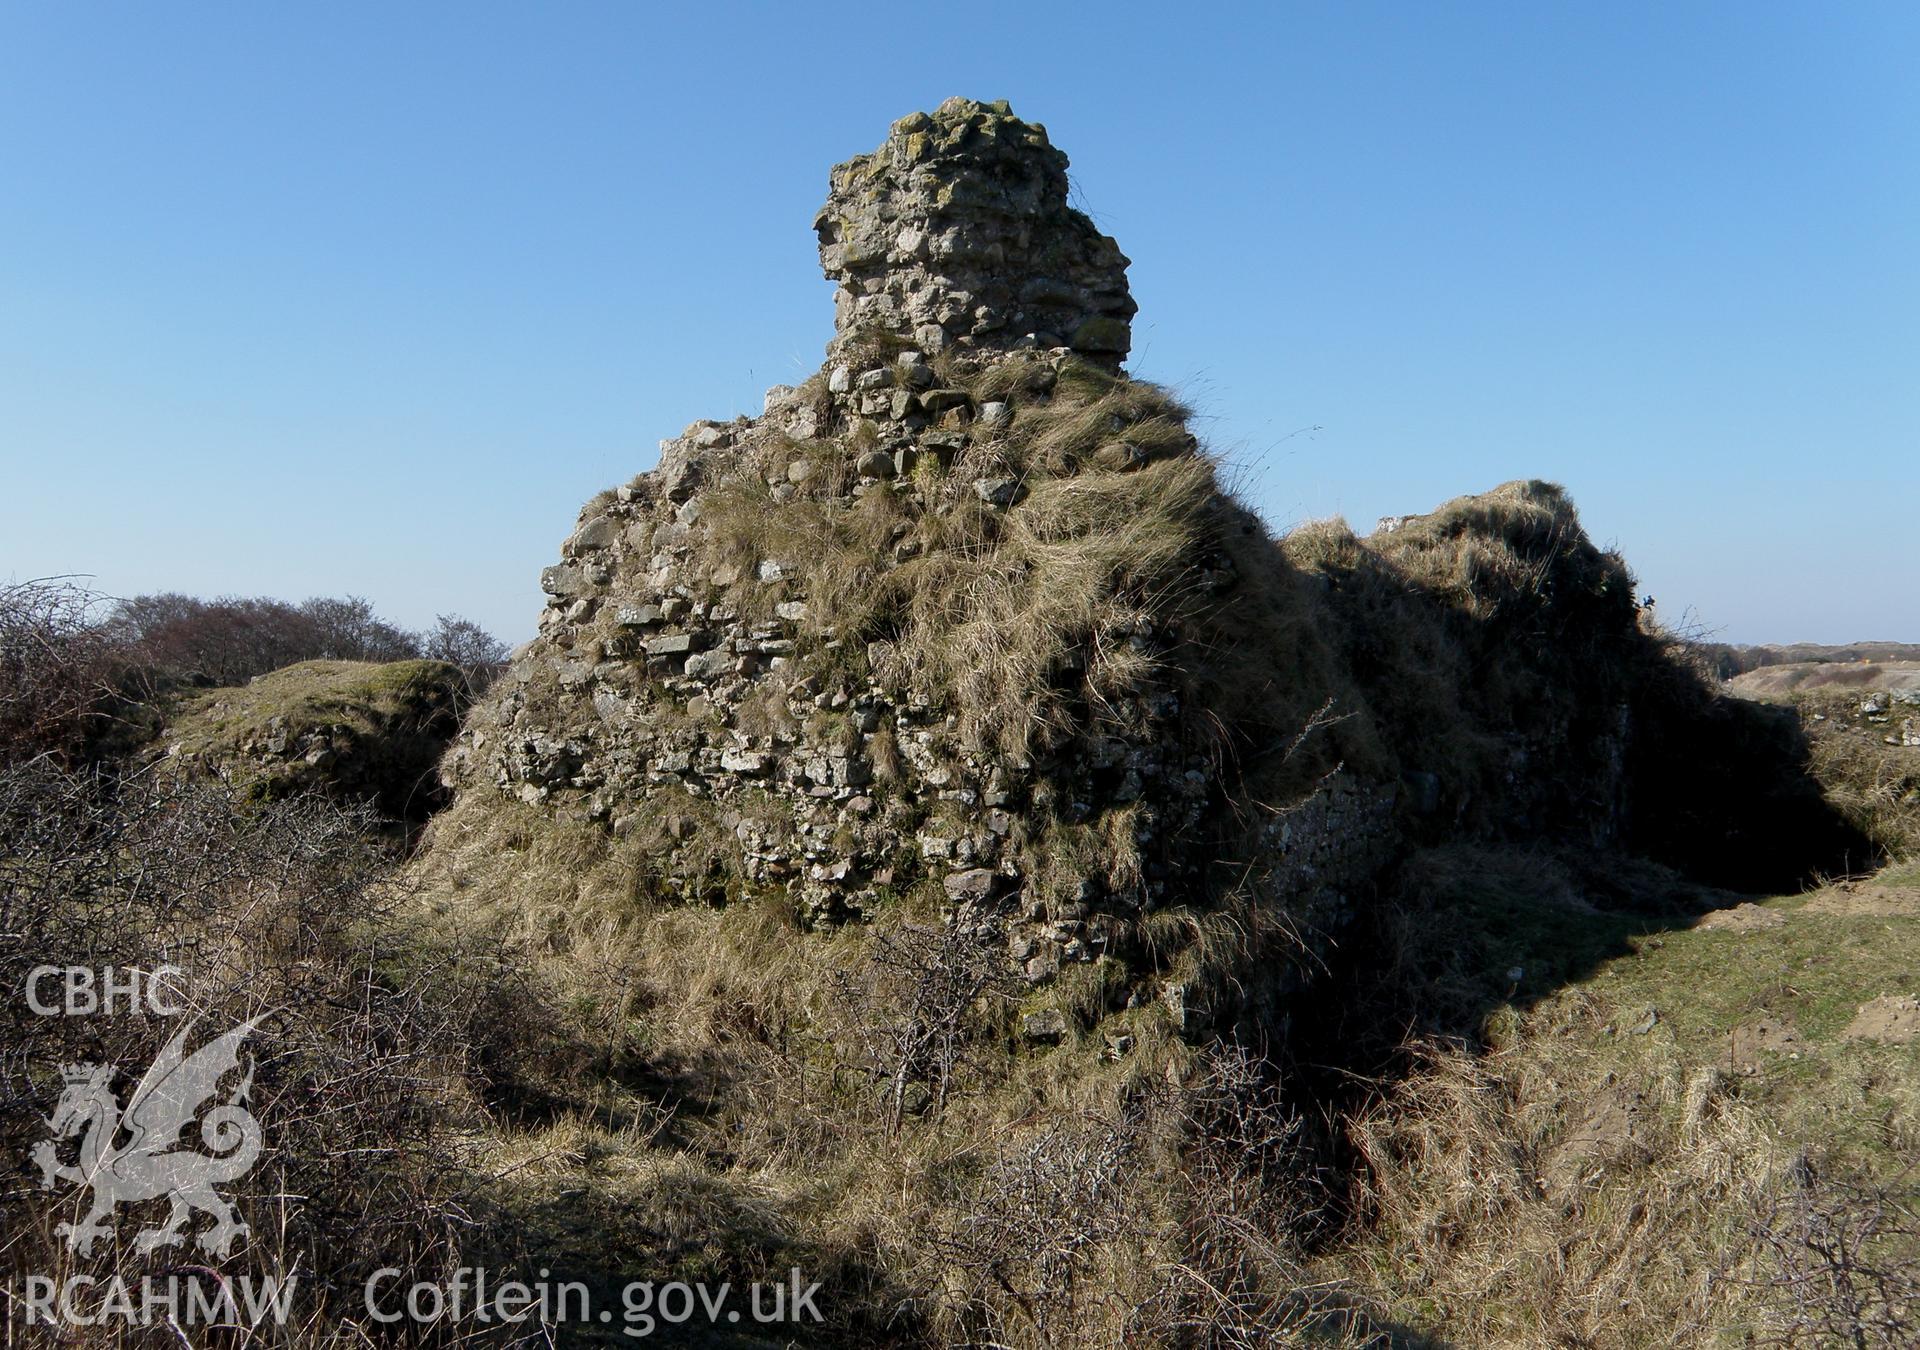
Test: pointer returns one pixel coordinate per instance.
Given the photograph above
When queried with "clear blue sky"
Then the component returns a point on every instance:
(369, 298)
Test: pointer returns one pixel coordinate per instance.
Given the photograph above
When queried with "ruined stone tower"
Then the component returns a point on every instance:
(964, 632)
(962, 624)
(957, 232)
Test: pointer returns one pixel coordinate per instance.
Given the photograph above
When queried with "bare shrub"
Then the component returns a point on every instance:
(1840, 1261)
(1174, 1218)
(1248, 1199)
(916, 1009)
(461, 642)
(169, 638)
(55, 668)
(1050, 1227)
(360, 1061)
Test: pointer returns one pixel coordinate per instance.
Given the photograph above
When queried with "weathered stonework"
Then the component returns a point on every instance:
(702, 700)
(957, 232)
(694, 690)
(965, 626)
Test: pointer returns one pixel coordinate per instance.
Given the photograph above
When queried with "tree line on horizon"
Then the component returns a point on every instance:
(230, 639)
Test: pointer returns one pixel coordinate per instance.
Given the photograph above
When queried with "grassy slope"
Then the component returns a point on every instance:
(1597, 1170)
(1875, 784)
(308, 695)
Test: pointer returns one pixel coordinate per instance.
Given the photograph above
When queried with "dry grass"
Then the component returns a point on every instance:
(1872, 783)
(1038, 625)
(1021, 621)
(1574, 1148)
(1518, 546)
(839, 1100)
(1508, 1203)
(1489, 623)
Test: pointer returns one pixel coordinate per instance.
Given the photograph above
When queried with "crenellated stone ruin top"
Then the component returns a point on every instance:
(957, 233)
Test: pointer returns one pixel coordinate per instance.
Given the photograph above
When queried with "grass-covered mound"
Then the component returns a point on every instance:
(1499, 650)
(1067, 669)
(844, 671)
(1527, 698)
(350, 730)
(927, 825)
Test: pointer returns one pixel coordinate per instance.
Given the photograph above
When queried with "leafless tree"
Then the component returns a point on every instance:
(461, 642)
(232, 638)
(916, 1008)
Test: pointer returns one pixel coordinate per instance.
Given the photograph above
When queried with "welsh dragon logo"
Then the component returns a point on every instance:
(149, 1165)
